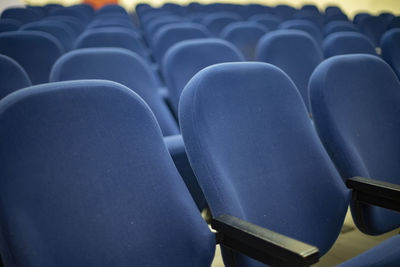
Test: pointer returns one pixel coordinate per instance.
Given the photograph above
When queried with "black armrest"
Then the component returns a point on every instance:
(378, 193)
(262, 244)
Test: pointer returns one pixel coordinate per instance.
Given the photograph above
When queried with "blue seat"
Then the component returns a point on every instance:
(36, 52)
(270, 21)
(174, 33)
(355, 100)
(258, 157)
(97, 186)
(23, 15)
(72, 22)
(12, 76)
(7, 25)
(112, 21)
(118, 65)
(339, 26)
(316, 18)
(305, 26)
(395, 23)
(78, 13)
(111, 9)
(295, 52)
(390, 44)
(154, 25)
(62, 32)
(341, 43)
(215, 22)
(245, 36)
(285, 12)
(113, 37)
(186, 58)
(359, 17)
(373, 27)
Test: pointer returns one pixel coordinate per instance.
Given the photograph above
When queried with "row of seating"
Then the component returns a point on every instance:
(87, 179)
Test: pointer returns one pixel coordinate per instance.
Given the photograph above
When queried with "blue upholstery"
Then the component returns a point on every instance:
(118, 65)
(305, 26)
(36, 52)
(355, 105)
(111, 21)
(176, 148)
(64, 34)
(295, 52)
(72, 11)
(7, 25)
(358, 18)
(270, 21)
(153, 26)
(12, 76)
(112, 37)
(245, 36)
(72, 22)
(256, 154)
(373, 27)
(395, 23)
(91, 182)
(174, 33)
(385, 254)
(186, 58)
(285, 12)
(390, 44)
(339, 26)
(316, 18)
(216, 22)
(23, 15)
(111, 9)
(341, 43)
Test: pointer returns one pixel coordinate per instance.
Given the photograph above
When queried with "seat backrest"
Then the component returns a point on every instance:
(245, 36)
(36, 52)
(97, 185)
(118, 65)
(217, 21)
(268, 20)
(355, 106)
(171, 34)
(24, 15)
(72, 11)
(256, 154)
(72, 22)
(186, 58)
(12, 76)
(7, 25)
(153, 26)
(112, 37)
(111, 9)
(394, 23)
(340, 43)
(390, 44)
(373, 27)
(285, 12)
(293, 51)
(339, 26)
(305, 26)
(63, 33)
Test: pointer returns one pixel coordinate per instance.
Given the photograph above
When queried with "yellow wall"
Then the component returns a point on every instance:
(349, 6)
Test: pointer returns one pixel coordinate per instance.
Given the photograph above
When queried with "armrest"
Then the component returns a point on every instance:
(374, 192)
(262, 244)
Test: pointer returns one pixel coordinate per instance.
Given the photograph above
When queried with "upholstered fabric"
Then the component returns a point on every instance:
(373, 27)
(186, 58)
(305, 26)
(118, 65)
(12, 76)
(173, 33)
(256, 154)
(339, 26)
(7, 25)
(245, 36)
(270, 21)
(341, 43)
(355, 106)
(24, 15)
(293, 51)
(217, 21)
(36, 52)
(63, 33)
(390, 44)
(112, 37)
(91, 182)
